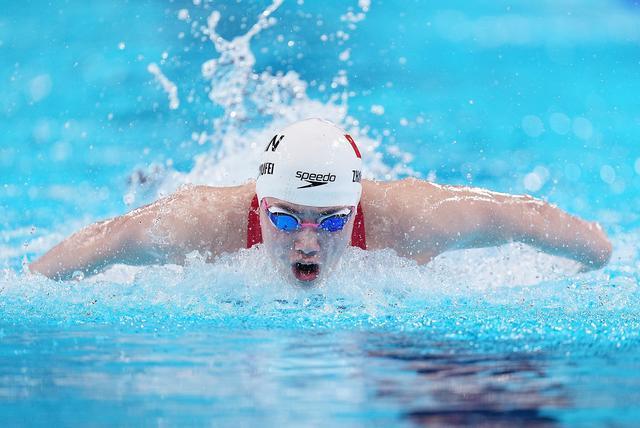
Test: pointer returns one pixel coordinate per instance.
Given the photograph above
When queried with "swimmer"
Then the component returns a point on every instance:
(309, 203)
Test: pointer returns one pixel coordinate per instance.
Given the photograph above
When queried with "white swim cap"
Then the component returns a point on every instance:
(312, 162)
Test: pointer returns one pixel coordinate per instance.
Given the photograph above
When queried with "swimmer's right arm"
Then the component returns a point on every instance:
(125, 239)
(92, 249)
(162, 232)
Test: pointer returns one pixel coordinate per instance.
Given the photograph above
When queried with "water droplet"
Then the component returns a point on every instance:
(40, 87)
(377, 109)
(608, 174)
(532, 126)
(560, 123)
(532, 182)
(582, 128)
(183, 14)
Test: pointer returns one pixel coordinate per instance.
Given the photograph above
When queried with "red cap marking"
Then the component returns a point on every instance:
(353, 144)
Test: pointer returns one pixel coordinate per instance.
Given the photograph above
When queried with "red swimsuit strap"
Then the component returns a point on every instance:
(254, 233)
(358, 237)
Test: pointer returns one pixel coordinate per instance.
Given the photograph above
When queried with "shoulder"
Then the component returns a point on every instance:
(201, 217)
(405, 215)
(205, 195)
(389, 208)
(395, 194)
(412, 193)
(207, 205)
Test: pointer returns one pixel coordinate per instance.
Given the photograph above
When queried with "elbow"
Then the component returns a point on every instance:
(49, 269)
(37, 268)
(602, 250)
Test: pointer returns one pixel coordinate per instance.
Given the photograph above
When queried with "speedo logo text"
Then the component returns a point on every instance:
(314, 179)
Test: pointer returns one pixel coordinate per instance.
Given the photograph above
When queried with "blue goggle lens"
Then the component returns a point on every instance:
(283, 221)
(334, 223)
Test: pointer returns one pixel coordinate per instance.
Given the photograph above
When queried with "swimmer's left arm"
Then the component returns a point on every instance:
(441, 218)
(540, 224)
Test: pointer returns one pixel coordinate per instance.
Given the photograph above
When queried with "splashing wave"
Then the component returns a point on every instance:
(512, 295)
(256, 104)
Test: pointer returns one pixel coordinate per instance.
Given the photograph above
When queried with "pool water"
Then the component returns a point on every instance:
(105, 106)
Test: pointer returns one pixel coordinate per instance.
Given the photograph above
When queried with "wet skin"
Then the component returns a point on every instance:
(308, 255)
(414, 218)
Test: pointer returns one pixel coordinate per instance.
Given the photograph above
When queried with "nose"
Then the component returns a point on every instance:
(307, 242)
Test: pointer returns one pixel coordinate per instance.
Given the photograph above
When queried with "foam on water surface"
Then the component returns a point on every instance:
(510, 297)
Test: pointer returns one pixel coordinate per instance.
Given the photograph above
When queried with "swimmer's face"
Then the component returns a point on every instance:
(309, 254)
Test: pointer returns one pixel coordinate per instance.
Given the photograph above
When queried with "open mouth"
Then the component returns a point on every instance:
(306, 271)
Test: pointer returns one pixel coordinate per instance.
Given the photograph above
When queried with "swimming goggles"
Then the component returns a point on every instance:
(288, 222)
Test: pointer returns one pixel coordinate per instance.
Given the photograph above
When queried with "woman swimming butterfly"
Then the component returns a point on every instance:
(309, 203)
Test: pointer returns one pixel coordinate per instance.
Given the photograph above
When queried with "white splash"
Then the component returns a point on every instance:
(167, 85)
(355, 17)
(255, 104)
(477, 291)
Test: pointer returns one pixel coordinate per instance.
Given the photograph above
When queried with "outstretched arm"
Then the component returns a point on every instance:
(197, 218)
(440, 218)
(89, 250)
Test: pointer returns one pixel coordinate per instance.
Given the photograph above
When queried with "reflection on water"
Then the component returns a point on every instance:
(456, 386)
(276, 376)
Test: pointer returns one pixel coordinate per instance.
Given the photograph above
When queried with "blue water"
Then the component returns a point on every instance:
(534, 97)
